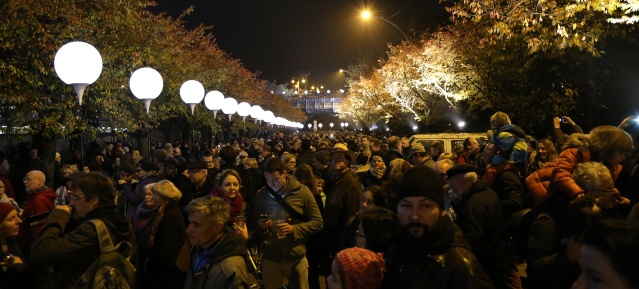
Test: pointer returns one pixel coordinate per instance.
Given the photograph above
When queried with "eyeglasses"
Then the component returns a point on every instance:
(608, 190)
(358, 234)
(76, 197)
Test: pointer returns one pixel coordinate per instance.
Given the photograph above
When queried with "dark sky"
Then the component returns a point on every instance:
(283, 38)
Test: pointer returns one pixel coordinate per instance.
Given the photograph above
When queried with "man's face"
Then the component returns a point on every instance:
(433, 152)
(365, 142)
(197, 176)
(169, 171)
(34, 154)
(202, 231)
(417, 214)
(110, 147)
(317, 165)
(209, 162)
(297, 145)
(339, 161)
(474, 144)
(243, 160)
(405, 143)
(375, 148)
(457, 185)
(32, 182)
(441, 169)
(275, 180)
(81, 205)
(126, 176)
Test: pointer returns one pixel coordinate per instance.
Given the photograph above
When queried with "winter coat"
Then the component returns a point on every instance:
(72, 251)
(158, 261)
(226, 267)
(391, 155)
(511, 192)
(480, 217)
(342, 203)
(38, 202)
(293, 246)
(445, 261)
(134, 197)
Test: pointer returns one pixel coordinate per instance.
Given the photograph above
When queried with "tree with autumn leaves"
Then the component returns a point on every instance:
(534, 60)
(128, 37)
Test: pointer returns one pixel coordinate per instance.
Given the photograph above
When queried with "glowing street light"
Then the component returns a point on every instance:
(368, 15)
(243, 110)
(214, 101)
(78, 64)
(146, 85)
(461, 124)
(229, 106)
(192, 93)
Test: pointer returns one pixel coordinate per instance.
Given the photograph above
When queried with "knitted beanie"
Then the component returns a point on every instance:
(361, 268)
(421, 181)
(5, 209)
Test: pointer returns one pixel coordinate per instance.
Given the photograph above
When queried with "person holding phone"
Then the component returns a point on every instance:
(559, 136)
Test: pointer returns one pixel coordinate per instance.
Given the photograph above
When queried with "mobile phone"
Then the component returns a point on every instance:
(563, 120)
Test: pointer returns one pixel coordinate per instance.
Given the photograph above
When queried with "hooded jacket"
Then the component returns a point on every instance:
(39, 202)
(73, 251)
(293, 246)
(226, 267)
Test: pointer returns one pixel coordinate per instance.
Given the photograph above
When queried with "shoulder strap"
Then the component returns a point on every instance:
(286, 206)
(106, 244)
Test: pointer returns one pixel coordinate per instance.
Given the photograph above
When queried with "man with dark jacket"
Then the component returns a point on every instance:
(72, 250)
(480, 217)
(394, 150)
(429, 251)
(218, 254)
(344, 198)
(288, 215)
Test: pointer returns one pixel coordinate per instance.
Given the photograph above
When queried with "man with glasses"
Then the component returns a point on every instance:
(70, 252)
(40, 199)
(343, 199)
(207, 157)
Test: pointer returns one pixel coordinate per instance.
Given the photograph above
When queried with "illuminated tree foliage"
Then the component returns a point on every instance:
(547, 25)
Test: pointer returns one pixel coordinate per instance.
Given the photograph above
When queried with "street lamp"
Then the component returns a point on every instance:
(257, 113)
(309, 126)
(78, 64)
(146, 85)
(192, 93)
(331, 125)
(368, 15)
(320, 125)
(213, 101)
(243, 110)
(229, 106)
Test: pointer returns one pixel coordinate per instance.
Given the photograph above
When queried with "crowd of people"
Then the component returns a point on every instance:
(363, 211)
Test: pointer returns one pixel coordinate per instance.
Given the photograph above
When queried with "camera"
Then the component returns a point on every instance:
(563, 120)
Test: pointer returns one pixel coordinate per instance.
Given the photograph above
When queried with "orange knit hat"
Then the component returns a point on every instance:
(361, 268)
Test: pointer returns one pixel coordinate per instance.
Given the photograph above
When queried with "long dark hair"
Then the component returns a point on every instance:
(304, 175)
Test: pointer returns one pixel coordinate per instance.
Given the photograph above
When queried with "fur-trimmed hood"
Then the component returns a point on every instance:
(577, 140)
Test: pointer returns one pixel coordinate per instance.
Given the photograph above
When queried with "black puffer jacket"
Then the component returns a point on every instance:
(74, 251)
(443, 262)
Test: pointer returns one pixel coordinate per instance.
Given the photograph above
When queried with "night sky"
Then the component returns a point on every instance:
(284, 38)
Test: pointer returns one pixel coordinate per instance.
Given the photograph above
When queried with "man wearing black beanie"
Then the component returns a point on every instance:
(430, 251)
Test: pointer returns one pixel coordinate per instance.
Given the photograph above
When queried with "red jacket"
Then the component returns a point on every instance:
(39, 202)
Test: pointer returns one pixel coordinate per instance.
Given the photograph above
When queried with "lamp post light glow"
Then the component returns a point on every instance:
(257, 113)
(78, 64)
(229, 106)
(331, 125)
(192, 93)
(146, 85)
(309, 126)
(461, 124)
(243, 110)
(368, 15)
(213, 101)
(320, 125)
(269, 117)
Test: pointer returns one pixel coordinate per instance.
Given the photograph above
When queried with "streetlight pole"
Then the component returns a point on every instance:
(367, 15)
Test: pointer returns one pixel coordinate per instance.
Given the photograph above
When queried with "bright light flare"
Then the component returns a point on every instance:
(366, 14)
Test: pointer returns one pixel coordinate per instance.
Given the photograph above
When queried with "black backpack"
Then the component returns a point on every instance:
(111, 269)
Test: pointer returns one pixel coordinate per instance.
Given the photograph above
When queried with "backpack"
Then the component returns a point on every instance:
(111, 269)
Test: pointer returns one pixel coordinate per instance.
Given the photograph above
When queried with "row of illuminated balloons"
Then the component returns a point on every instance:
(79, 64)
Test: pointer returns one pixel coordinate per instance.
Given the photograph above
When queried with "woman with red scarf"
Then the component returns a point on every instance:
(228, 188)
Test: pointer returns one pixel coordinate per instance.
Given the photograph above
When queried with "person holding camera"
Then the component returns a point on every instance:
(559, 136)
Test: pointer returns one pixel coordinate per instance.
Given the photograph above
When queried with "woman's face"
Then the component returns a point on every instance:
(230, 186)
(148, 196)
(367, 201)
(11, 225)
(334, 281)
(360, 237)
(291, 164)
(542, 152)
(377, 163)
(597, 271)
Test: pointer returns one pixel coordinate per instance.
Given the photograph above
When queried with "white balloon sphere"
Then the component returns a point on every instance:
(146, 83)
(243, 109)
(229, 106)
(269, 116)
(257, 112)
(78, 62)
(192, 92)
(214, 100)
